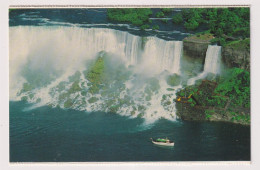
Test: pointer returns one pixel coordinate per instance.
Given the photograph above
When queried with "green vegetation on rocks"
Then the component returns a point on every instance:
(236, 87)
(63, 96)
(26, 87)
(239, 44)
(61, 86)
(92, 99)
(68, 103)
(226, 98)
(173, 80)
(201, 37)
(31, 95)
(74, 87)
(24, 98)
(95, 75)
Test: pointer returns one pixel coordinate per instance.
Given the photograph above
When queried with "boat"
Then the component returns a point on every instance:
(163, 142)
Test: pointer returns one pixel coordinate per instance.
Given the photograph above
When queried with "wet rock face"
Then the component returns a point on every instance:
(198, 113)
(232, 57)
(236, 58)
(186, 112)
(195, 49)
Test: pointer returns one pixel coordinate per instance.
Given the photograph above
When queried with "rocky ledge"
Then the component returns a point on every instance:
(201, 103)
(196, 46)
(200, 113)
(234, 54)
(237, 54)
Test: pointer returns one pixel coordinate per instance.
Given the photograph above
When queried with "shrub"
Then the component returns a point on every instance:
(143, 27)
(156, 27)
(191, 25)
(164, 20)
(159, 14)
(166, 10)
(236, 87)
(177, 19)
(136, 16)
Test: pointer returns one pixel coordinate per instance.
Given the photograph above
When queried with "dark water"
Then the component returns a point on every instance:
(53, 134)
(95, 18)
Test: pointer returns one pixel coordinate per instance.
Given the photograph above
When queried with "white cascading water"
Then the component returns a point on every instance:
(161, 55)
(68, 49)
(212, 63)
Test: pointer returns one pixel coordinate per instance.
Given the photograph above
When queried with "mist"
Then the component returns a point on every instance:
(97, 69)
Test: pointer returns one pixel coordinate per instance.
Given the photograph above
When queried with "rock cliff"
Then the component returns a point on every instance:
(233, 56)
(195, 48)
(236, 54)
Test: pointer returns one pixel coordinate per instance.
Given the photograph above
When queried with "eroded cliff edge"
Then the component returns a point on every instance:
(235, 54)
(201, 102)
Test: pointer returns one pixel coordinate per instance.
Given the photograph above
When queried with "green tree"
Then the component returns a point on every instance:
(136, 16)
(143, 27)
(237, 87)
(177, 19)
(156, 27)
(159, 14)
(166, 10)
(192, 24)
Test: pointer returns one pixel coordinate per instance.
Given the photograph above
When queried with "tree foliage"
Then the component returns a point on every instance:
(159, 14)
(224, 23)
(236, 87)
(146, 26)
(137, 16)
(177, 19)
(156, 27)
(166, 10)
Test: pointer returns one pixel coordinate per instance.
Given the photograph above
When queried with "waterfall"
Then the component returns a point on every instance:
(46, 58)
(212, 63)
(163, 55)
(213, 59)
(76, 44)
(69, 48)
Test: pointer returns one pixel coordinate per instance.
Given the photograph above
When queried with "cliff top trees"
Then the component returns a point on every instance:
(137, 16)
(227, 24)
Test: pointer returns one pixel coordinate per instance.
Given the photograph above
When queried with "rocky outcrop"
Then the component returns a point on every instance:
(199, 113)
(235, 54)
(201, 103)
(186, 112)
(195, 48)
(235, 57)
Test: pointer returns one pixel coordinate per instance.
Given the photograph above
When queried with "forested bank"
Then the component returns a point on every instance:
(221, 98)
(227, 25)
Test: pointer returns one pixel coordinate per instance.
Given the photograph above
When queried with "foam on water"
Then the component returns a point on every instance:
(64, 50)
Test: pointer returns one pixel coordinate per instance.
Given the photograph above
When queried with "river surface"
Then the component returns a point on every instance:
(96, 18)
(53, 134)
